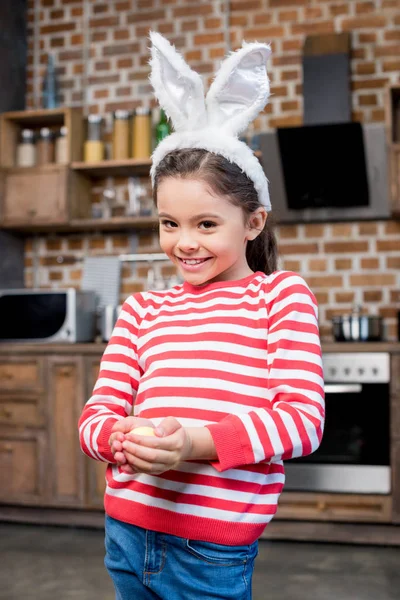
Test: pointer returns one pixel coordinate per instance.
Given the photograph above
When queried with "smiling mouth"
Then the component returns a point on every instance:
(193, 261)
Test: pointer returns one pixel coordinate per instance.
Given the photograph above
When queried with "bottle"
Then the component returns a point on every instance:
(61, 150)
(163, 127)
(26, 149)
(50, 97)
(120, 139)
(45, 147)
(141, 133)
(93, 150)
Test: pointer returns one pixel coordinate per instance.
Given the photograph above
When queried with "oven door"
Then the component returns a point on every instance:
(354, 455)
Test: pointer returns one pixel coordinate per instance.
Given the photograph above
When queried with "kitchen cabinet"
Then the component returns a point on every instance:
(22, 467)
(48, 479)
(39, 196)
(65, 397)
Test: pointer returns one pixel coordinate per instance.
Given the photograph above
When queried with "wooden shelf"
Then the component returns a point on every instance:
(37, 118)
(11, 124)
(80, 225)
(116, 168)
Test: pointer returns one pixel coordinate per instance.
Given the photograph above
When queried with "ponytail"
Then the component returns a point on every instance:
(262, 253)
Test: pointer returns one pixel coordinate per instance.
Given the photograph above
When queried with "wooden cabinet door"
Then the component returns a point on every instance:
(66, 460)
(95, 470)
(22, 467)
(36, 195)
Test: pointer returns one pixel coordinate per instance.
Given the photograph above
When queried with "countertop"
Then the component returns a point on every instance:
(98, 348)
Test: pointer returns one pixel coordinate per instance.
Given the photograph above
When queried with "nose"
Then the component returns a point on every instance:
(187, 242)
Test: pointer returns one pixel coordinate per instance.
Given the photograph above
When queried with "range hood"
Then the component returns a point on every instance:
(329, 169)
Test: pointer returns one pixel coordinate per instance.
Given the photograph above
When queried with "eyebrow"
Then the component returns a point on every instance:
(194, 218)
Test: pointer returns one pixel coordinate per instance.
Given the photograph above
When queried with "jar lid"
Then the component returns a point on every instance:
(142, 110)
(122, 114)
(27, 135)
(45, 132)
(95, 118)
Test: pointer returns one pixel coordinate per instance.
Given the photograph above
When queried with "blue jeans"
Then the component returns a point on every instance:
(147, 565)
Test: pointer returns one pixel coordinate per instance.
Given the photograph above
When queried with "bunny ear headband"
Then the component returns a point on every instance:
(236, 96)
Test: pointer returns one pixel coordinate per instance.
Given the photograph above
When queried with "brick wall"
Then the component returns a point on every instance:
(343, 263)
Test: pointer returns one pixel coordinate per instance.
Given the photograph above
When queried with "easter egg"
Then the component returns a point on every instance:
(143, 431)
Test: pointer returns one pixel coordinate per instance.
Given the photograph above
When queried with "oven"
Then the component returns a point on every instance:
(354, 455)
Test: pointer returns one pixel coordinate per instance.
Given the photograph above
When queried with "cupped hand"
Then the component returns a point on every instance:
(156, 454)
(118, 433)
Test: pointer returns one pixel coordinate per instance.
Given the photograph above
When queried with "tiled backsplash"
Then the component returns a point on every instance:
(344, 264)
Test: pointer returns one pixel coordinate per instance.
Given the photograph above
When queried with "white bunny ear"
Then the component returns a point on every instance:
(178, 89)
(240, 88)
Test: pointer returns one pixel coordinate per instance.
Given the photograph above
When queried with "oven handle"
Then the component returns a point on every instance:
(343, 388)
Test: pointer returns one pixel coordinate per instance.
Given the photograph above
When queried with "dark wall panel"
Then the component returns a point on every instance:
(13, 50)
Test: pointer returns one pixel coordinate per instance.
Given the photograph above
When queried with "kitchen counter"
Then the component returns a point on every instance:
(98, 348)
(42, 390)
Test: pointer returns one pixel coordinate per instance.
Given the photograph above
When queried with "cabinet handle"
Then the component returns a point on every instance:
(66, 371)
(6, 413)
(6, 449)
(321, 506)
(32, 212)
(6, 376)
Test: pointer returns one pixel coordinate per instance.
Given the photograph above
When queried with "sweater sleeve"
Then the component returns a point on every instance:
(291, 424)
(116, 386)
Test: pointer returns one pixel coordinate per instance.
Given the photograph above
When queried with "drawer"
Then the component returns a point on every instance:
(24, 412)
(335, 507)
(20, 374)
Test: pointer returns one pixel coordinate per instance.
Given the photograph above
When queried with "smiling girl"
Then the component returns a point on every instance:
(226, 368)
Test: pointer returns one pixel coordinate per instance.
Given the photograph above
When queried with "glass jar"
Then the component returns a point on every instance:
(45, 147)
(141, 133)
(121, 134)
(94, 145)
(26, 149)
(61, 150)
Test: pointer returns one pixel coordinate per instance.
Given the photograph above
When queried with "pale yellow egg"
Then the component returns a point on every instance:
(143, 431)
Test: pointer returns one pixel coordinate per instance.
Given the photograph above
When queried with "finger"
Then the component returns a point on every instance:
(116, 447)
(169, 443)
(167, 426)
(142, 466)
(120, 458)
(150, 455)
(128, 470)
(128, 423)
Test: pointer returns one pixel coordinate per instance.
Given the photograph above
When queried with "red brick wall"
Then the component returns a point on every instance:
(366, 268)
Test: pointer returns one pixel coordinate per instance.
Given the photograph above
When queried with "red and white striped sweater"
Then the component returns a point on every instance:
(242, 358)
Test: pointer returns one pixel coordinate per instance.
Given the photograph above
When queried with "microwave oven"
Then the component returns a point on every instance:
(35, 315)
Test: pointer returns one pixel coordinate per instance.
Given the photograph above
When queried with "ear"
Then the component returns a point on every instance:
(178, 89)
(240, 88)
(256, 223)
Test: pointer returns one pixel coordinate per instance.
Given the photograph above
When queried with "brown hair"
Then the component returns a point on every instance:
(225, 179)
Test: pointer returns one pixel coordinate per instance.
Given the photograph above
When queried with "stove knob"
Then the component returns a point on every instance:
(375, 371)
(347, 371)
(332, 371)
(361, 371)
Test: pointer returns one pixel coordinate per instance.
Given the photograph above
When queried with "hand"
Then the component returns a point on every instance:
(119, 431)
(154, 455)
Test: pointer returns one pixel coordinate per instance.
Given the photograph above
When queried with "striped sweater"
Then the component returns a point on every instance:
(242, 358)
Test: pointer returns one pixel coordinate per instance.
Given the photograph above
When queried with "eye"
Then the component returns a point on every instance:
(207, 224)
(168, 224)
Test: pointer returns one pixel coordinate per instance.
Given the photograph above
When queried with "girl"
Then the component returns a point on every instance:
(225, 368)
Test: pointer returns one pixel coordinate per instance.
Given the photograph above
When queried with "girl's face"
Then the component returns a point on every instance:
(203, 234)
